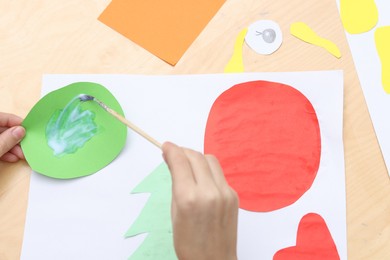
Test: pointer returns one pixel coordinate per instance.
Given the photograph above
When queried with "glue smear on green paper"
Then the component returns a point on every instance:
(70, 128)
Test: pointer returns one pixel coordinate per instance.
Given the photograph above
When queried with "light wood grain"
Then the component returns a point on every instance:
(53, 36)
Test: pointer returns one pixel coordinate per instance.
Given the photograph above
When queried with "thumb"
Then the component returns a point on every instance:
(10, 138)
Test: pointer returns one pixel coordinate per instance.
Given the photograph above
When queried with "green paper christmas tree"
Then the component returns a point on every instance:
(155, 217)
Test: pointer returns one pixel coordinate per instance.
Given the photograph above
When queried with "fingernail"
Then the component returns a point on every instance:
(18, 132)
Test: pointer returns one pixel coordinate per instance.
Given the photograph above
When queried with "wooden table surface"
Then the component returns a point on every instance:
(54, 36)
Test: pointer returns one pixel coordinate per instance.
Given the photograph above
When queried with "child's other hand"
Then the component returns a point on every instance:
(11, 133)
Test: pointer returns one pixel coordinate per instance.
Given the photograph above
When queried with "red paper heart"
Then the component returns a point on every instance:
(314, 241)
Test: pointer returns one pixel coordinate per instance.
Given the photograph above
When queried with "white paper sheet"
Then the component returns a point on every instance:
(369, 69)
(87, 218)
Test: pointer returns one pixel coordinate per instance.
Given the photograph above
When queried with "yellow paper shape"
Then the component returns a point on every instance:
(382, 42)
(358, 16)
(236, 63)
(303, 32)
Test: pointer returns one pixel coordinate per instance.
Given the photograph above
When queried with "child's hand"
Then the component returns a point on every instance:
(204, 207)
(10, 135)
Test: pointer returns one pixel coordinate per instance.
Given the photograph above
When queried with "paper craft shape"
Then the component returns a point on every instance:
(370, 63)
(155, 218)
(382, 42)
(267, 138)
(86, 218)
(314, 242)
(164, 28)
(303, 32)
(358, 16)
(264, 37)
(236, 63)
(72, 159)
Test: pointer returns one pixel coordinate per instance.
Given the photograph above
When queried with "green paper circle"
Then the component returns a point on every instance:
(96, 153)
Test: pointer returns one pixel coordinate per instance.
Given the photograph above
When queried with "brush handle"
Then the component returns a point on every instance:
(134, 127)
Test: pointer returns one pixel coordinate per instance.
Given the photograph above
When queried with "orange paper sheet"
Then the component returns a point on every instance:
(165, 28)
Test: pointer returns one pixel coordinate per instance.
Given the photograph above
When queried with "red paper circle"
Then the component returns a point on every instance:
(267, 138)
